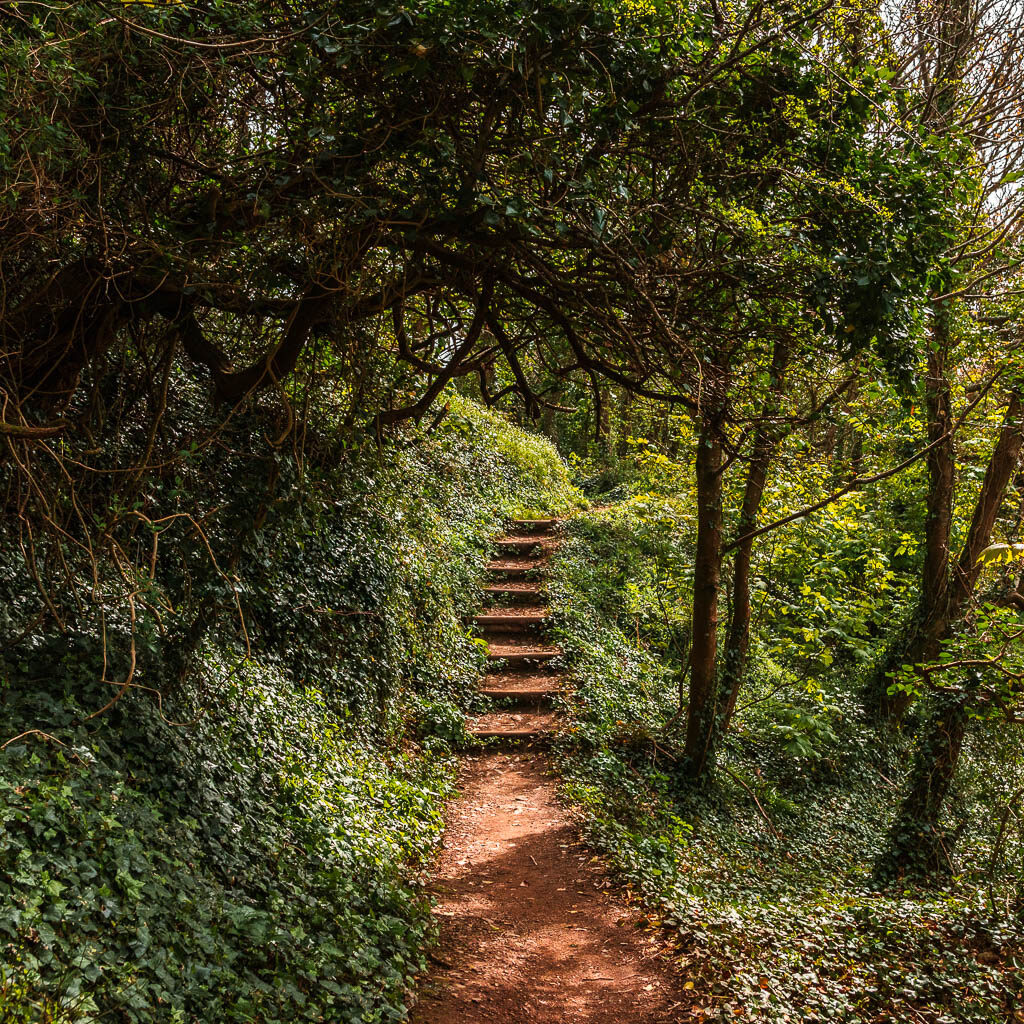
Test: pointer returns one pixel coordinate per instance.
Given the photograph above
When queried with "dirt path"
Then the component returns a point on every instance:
(528, 932)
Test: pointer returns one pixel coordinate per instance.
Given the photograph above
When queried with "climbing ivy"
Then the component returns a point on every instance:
(240, 841)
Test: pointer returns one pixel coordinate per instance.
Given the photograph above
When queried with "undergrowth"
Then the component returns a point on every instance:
(236, 838)
(764, 882)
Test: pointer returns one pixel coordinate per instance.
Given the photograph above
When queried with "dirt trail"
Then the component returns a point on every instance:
(528, 932)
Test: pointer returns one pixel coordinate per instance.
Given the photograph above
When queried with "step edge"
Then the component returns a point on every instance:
(489, 620)
(509, 734)
(521, 694)
(525, 654)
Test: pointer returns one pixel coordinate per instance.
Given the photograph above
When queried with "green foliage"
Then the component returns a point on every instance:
(543, 486)
(764, 882)
(333, 214)
(239, 842)
(250, 869)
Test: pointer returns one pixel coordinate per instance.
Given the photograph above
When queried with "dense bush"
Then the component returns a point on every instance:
(233, 839)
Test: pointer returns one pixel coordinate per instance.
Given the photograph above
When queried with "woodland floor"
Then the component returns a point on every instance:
(529, 929)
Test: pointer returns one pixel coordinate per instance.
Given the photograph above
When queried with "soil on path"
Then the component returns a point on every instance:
(528, 933)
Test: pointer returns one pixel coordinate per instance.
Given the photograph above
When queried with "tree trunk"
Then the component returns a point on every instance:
(601, 422)
(952, 30)
(916, 845)
(549, 425)
(738, 644)
(47, 341)
(919, 642)
(915, 842)
(1001, 468)
(941, 469)
(625, 422)
(707, 571)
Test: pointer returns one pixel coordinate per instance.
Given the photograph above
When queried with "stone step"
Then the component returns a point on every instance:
(518, 621)
(520, 545)
(521, 654)
(521, 671)
(513, 725)
(515, 593)
(535, 737)
(515, 680)
(533, 525)
(522, 697)
(515, 569)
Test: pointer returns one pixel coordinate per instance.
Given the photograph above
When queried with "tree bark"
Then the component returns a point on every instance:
(915, 841)
(600, 414)
(278, 363)
(919, 643)
(1001, 467)
(941, 468)
(951, 29)
(738, 644)
(49, 339)
(916, 844)
(625, 421)
(436, 386)
(707, 571)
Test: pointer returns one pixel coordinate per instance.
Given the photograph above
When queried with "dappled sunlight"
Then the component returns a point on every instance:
(529, 931)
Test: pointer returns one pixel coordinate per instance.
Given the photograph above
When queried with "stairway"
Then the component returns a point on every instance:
(520, 676)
